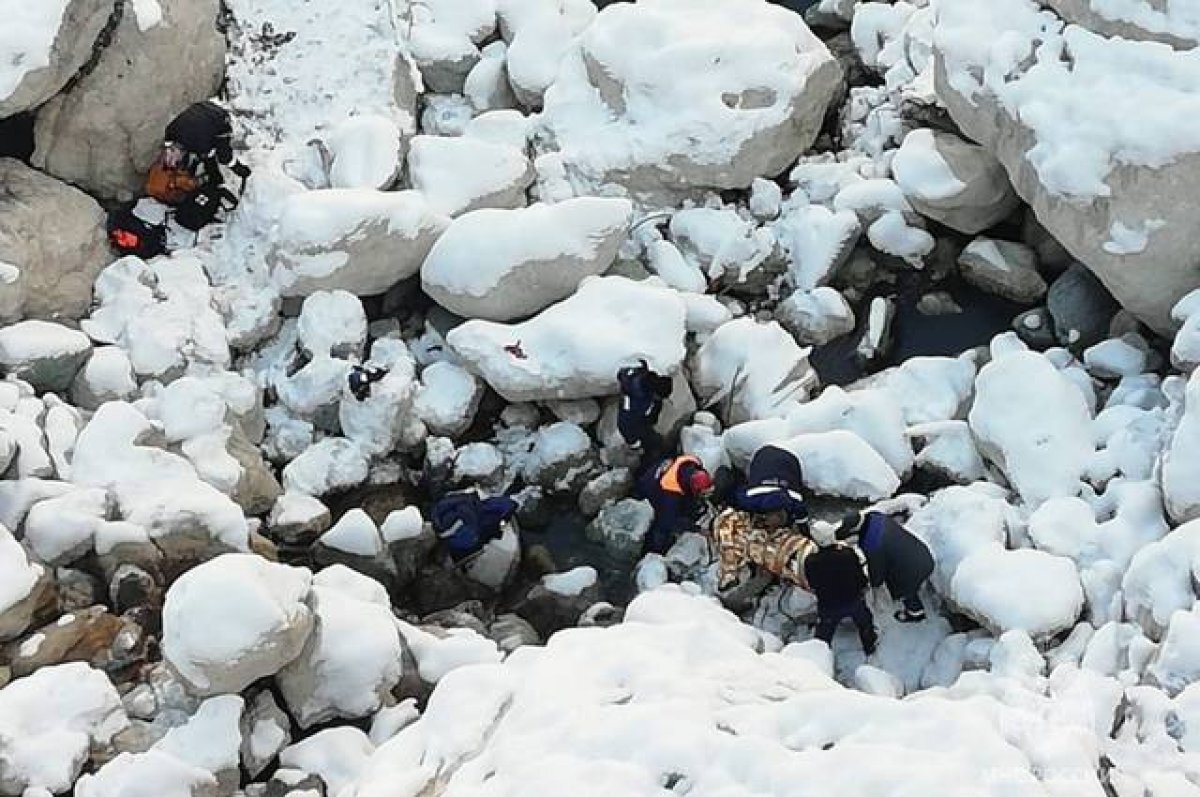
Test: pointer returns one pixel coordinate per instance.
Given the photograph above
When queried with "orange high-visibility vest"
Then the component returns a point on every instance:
(670, 481)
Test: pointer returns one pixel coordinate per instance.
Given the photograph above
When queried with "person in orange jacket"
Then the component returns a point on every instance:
(678, 489)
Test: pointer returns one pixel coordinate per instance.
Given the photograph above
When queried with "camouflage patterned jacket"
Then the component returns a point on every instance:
(739, 543)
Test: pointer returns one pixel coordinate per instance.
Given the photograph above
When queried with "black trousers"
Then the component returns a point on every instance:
(828, 619)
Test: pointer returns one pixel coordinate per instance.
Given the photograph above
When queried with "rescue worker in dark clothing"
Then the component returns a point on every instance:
(678, 490)
(362, 377)
(466, 522)
(773, 485)
(642, 395)
(895, 557)
(835, 575)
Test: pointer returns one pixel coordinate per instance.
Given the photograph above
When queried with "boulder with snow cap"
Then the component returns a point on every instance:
(1156, 22)
(539, 36)
(52, 245)
(335, 463)
(355, 541)
(45, 354)
(106, 376)
(622, 527)
(573, 349)
(466, 173)
(502, 265)
(365, 151)
(623, 114)
(263, 608)
(105, 130)
(816, 317)
(1122, 205)
(357, 240)
(1005, 268)
(444, 36)
(953, 181)
(27, 591)
(1026, 590)
(448, 398)
(559, 600)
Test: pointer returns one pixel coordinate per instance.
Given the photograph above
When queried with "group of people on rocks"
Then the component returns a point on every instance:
(765, 522)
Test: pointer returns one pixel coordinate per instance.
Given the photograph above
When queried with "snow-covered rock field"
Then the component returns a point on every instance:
(217, 576)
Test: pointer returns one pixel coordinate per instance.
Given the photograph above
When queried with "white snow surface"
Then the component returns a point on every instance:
(26, 40)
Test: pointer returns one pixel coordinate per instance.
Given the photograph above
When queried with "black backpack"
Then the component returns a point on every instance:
(130, 235)
(201, 208)
(203, 128)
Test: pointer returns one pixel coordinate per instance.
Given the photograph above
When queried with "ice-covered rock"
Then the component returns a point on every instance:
(1005, 268)
(949, 451)
(1112, 204)
(106, 129)
(365, 152)
(1177, 661)
(465, 173)
(358, 240)
(1032, 423)
(952, 181)
(752, 370)
(44, 354)
(49, 721)
(840, 463)
(52, 242)
(335, 463)
(1026, 590)
(1180, 460)
(106, 376)
(1185, 351)
(573, 349)
(260, 609)
(487, 87)
(816, 317)
(621, 527)
(1117, 357)
(648, 117)
(45, 46)
(501, 265)
(350, 663)
(447, 399)
(210, 740)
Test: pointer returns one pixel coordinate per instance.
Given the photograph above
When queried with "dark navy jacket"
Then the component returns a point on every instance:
(466, 522)
(895, 556)
(835, 575)
(674, 513)
(641, 404)
(773, 484)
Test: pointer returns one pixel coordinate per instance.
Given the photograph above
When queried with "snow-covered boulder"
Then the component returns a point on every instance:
(1159, 579)
(650, 116)
(49, 721)
(447, 399)
(621, 527)
(1181, 459)
(265, 730)
(44, 354)
(1170, 23)
(539, 35)
(1176, 664)
(106, 376)
(815, 240)
(816, 317)
(52, 244)
(752, 370)
(1026, 590)
(358, 240)
(466, 173)
(365, 152)
(261, 609)
(952, 181)
(25, 587)
(842, 464)
(210, 740)
(444, 36)
(724, 246)
(501, 265)
(151, 772)
(335, 463)
(335, 755)
(350, 663)
(1120, 204)
(44, 46)
(104, 132)
(1032, 423)
(573, 349)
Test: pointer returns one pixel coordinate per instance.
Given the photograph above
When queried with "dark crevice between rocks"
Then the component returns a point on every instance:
(16, 137)
(102, 41)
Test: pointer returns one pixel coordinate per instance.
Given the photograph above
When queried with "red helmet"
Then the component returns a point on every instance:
(700, 482)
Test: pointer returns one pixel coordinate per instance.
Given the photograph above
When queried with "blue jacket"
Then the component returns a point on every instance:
(465, 522)
(773, 479)
(641, 402)
(895, 556)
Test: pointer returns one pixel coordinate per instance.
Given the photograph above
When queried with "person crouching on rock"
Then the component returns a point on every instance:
(678, 489)
(362, 377)
(895, 557)
(642, 395)
(773, 486)
(466, 522)
(834, 573)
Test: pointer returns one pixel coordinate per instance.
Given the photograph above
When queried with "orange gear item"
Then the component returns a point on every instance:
(171, 186)
(671, 481)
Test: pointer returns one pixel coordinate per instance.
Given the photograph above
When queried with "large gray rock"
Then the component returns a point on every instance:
(357, 240)
(1005, 268)
(757, 104)
(1157, 23)
(52, 236)
(1125, 211)
(1080, 307)
(106, 130)
(953, 181)
(502, 265)
(61, 58)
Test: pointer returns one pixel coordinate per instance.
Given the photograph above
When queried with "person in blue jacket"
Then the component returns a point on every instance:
(678, 489)
(773, 482)
(895, 557)
(642, 395)
(465, 521)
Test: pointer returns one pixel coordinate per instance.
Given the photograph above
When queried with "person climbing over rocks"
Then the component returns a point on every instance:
(895, 557)
(466, 521)
(834, 573)
(643, 392)
(678, 489)
(768, 541)
(773, 481)
(361, 378)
